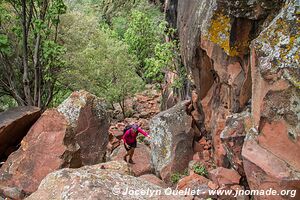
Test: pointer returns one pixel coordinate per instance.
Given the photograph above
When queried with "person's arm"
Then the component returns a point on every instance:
(125, 135)
(143, 132)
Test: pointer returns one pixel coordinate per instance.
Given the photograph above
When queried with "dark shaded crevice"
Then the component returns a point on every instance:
(14, 127)
(204, 74)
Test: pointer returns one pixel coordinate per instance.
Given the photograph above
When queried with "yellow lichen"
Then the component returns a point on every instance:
(219, 31)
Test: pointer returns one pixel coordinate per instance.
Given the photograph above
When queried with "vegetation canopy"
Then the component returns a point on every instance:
(49, 48)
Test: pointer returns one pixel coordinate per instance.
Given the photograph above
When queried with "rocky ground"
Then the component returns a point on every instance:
(78, 134)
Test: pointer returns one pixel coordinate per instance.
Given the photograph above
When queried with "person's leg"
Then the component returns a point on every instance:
(131, 152)
(125, 157)
(127, 153)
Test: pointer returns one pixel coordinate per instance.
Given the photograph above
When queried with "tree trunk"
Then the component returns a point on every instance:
(26, 84)
(122, 105)
(37, 77)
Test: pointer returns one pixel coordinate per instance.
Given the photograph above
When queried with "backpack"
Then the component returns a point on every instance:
(127, 128)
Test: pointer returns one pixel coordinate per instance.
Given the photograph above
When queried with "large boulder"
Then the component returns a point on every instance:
(271, 150)
(73, 135)
(14, 125)
(86, 115)
(172, 143)
(94, 182)
(141, 159)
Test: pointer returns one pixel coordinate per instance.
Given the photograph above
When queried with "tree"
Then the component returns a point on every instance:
(141, 37)
(100, 62)
(30, 54)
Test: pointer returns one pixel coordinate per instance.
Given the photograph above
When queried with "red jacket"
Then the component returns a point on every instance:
(130, 137)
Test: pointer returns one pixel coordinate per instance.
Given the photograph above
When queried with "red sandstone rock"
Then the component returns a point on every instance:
(192, 181)
(206, 155)
(197, 157)
(212, 185)
(153, 179)
(223, 176)
(14, 125)
(216, 55)
(141, 159)
(39, 153)
(73, 135)
(195, 182)
(276, 138)
(95, 182)
(264, 170)
(198, 147)
(272, 146)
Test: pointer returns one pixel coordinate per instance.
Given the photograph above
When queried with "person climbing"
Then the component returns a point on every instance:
(129, 139)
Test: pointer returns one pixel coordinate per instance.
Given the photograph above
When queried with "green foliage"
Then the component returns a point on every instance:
(146, 36)
(57, 8)
(181, 77)
(141, 35)
(175, 177)
(100, 63)
(162, 61)
(145, 39)
(141, 138)
(7, 102)
(4, 45)
(200, 169)
(97, 45)
(61, 94)
(142, 27)
(44, 52)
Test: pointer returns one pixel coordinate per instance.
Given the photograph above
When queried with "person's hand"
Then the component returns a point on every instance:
(126, 145)
(149, 137)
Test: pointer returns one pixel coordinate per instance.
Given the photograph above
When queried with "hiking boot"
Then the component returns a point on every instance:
(131, 161)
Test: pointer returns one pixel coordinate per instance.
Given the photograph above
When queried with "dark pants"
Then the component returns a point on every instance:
(131, 145)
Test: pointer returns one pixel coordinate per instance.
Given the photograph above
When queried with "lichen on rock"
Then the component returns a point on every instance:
(171, 147)
(278, 46)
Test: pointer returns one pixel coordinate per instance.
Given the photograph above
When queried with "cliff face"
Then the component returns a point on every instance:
(244, 56)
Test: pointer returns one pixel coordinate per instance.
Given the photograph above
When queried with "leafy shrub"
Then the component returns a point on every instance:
(175, 177)
(141, 138)
(200, 169)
